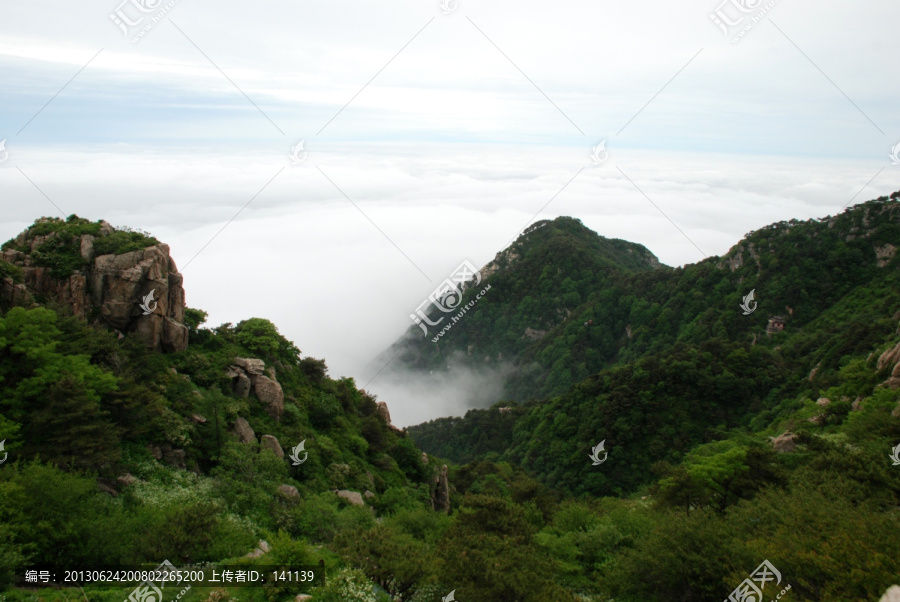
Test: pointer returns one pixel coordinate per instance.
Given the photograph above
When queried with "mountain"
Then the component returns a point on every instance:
(535, 285)
(655, 442)
(674, 345)
(565, 303)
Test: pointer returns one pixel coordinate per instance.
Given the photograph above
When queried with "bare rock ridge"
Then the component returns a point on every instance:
(107, 289)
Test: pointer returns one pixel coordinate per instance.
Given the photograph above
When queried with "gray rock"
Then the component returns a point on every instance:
(441, 498)
(250, 365)
(243, 431)
(127, 479)
(289, 491)
(354, 497)
(368, 494)
(270, 393)
(784, 443)
(271, 443)
(242, 386)
(891, 595)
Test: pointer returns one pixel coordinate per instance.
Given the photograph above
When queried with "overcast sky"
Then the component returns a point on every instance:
(432, 138)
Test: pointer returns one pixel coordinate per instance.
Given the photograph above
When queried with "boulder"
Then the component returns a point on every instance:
(441, 499)
(250, 365)
(384, 412)
(197, 418)
(127, 479)
(891, 595)
(784, 443)
(270, 442)
(302, 598)
(242, 386)
(270, 393)
(289, 491)
(368, 494)
(155, 451)
(424, 458)
(243, 431)
(354, 497)
(261, 548)
(856, 403)
(891, 357)
(823, 401)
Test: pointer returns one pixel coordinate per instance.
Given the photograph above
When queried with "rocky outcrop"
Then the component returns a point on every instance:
(784, 443)
(884, 254)
(441, 499)
(823, 401)
(247, 376)
(243, 431)
(354, 497)
(108, 289)
(261, 548)
(289, 491)
(891, 595)
(890, 359)
(271, 443)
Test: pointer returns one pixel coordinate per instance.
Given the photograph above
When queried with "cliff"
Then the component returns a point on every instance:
(100, 274)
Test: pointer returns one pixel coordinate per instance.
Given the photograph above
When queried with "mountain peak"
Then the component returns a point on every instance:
(121, 278)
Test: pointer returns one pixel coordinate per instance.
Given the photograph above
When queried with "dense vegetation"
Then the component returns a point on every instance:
(691, 498)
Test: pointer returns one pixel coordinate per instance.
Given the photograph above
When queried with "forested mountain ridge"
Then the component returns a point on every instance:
(622, 312)
(746, 437)
(536, 283)
(122, 449)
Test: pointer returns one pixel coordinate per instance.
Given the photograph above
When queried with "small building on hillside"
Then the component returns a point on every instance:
(776, 324)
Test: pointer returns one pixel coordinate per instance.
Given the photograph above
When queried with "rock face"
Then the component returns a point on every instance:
(441, 499)
(354, 497)
(384, 412)
(108, 288)
(289, 491)
(270, 442)
(246, 376)
(891, 359)
(784, 443)
(244, 432)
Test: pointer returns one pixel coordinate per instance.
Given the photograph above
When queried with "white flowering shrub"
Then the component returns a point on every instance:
(347, 585)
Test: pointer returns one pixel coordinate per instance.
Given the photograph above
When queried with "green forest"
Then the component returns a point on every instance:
(726, 445)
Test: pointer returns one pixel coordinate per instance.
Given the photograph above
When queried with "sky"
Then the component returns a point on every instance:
(433, 133)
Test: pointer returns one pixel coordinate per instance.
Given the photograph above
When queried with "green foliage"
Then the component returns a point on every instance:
(123, 241)
(262, 338)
